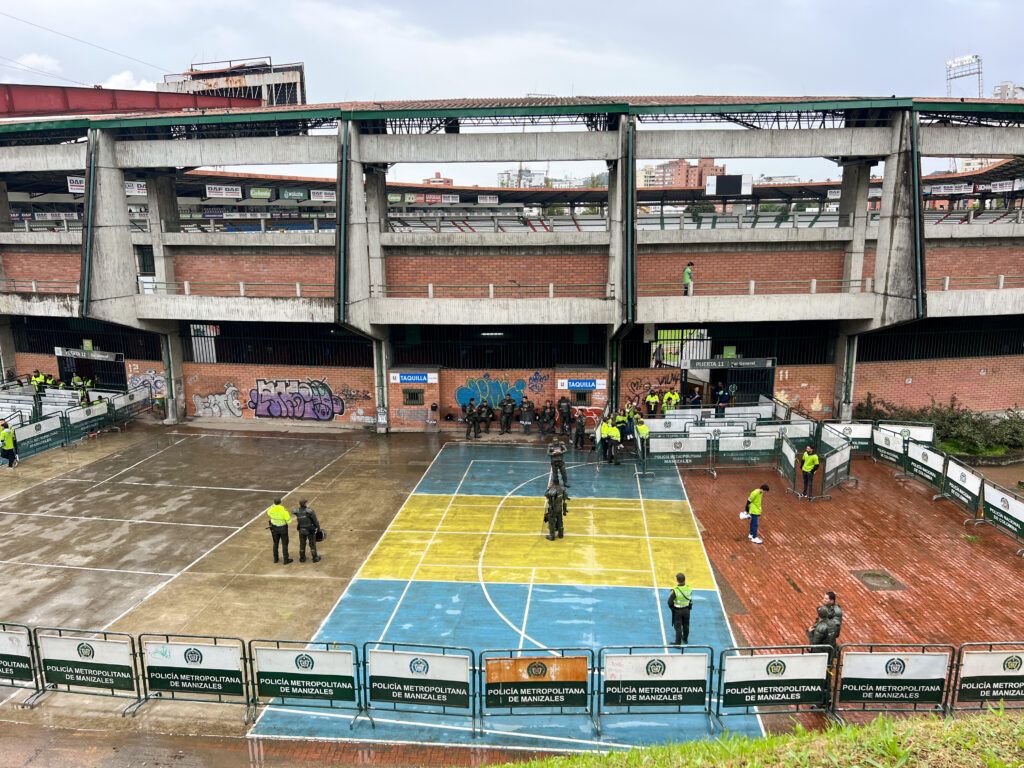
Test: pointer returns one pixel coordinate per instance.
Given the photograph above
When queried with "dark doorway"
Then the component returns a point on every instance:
(105, 374)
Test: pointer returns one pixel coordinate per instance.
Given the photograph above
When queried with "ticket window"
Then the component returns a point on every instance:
(581, 398)
(412, 397)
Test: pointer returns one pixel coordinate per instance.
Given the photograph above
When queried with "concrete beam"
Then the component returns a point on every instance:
(39, 304)
(6, 225)
(731, 236)
(48, 157)
(243, 308)
(71, 239)
(487, 147)
(283, 150)
(754, 309)
(973, 232)
(493, 239)
(1009, 301)
(497, 311)
(243, 240)
(970, 141)
(824, 142)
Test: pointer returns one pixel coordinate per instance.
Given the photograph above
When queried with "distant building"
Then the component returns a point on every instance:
(437, 180)
(1009, 91)
(243, 78)
(519, 178)
(975, 164)
(679, 173)
(762, 179)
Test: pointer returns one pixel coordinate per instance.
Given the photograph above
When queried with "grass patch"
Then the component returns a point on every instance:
(991, 740)
(955, 446)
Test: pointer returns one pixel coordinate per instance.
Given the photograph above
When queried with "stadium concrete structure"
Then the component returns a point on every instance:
(366, 303)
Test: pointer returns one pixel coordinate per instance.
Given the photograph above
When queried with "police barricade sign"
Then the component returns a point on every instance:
(925, 462)
(787, 461)
(674, 424)
(82, 661)
(857, 432)
(418, 677)
(310, 671)
(185, 667)
(963, 485)
(762, 411)
(903, 677)
(692, 452)
(923, 433)
(837, 467)
(16, 667)
(717, 431)
(39, 436)
(888, 446)
(1003, 510)
(537, 681)
(990, 673)
(800, 432)
(746, 451)
(86, 420)
(795, 676)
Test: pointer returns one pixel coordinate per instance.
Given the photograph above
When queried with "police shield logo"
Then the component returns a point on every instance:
(775, 668)
(655, 668)
(847, 431)
(193, 656)
(895, 667)
(304, 662)
(419, 666)
(905, 433)
(537, 669)
(1004, 502)
(39, 427)
(677, 444)
(963, 477)
(746, 443)
(668, 425)
(1012, 664)
(716, 432)
(887, 442)
(85, 651)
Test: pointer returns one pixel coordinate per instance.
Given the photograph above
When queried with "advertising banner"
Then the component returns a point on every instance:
(913, 678)
(774, 680)
(1004, 510)
(537, 682)
(260, 193)
(87, 663)
(487, 199)
(230, 191)
(924, 462)
(657, 680)
(15, 657)
(305, 674)
(323, 195)
(76, 185)
(394, 197)
(401, 677)
(193, 668)
(990, 676)
(962, 484)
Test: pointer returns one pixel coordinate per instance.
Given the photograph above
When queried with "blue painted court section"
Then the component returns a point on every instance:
(523, 471)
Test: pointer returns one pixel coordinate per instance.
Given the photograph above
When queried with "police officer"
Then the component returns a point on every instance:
(485, 415)
(824, 630)
(834, 611)
(652, 402)
(472, 419)
(810, 466)
(279, 519)
(556, 452)
(547, 419)
(555, 509)
(694, 399)
(565, 414)
(526, 414)
(669, 401)
(721, 398)
(680, 602)
(7, 449)
(643, 435)
(507, 407)
(580, 436)
(308, 524)
(614, 444)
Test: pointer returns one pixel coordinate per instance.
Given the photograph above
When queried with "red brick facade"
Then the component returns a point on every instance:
(219, 275)
(979, 383)
(972, 259)
(281, 392)
(63, 268)
(467, 276)
(811, 388)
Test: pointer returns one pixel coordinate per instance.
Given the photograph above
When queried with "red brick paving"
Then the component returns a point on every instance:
(956, 590)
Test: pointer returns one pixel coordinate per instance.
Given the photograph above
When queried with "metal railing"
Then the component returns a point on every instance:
(685, 220)
(756, 287)
(8, 285)
(974, 282)
(512, 224)
(237, 288)
(495, 291)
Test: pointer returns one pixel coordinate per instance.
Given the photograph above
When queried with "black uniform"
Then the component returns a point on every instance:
(555, 510)
(526, 415)
(308, 524)
(581, 430)
(721, 400)
(508, 410)
(557, 454)
(680, 618)
(472, 420)
(485, 414)
(565, 414)
(547, 420)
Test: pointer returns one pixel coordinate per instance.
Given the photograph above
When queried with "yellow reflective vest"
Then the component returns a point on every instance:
(683, 594)
(279, 515)
(811, 461)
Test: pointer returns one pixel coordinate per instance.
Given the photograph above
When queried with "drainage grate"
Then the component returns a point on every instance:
(878, 581)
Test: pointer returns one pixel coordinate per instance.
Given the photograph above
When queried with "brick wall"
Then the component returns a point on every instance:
(572, 274)
(811, 388)
(316, 273)
(289, 393)
(735, 266)
(412, 418)
(61, 267)
(138, 373)
(26, 362)
(973, 260)
(980, 383)
(637, 382)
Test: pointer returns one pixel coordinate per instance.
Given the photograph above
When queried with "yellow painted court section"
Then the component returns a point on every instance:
(608, 542)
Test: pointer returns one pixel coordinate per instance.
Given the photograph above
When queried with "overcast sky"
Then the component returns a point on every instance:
(439, 49)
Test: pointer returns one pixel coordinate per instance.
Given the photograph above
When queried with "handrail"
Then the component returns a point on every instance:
(236, 288)
(493, 290)
(974, 282)
(22, 285)
(757, 287)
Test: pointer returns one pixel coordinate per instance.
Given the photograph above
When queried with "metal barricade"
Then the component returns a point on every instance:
(1004, 511)
(18, 665)
(883, 677)
(201, 668)
(774, 679)
(989, 674)
(680, 451)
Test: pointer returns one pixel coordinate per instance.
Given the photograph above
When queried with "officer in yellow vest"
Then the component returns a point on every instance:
(810, 466)
(37, 380)
(7, 450)
(614, 444)
(669, 401)
(680, 602)
(280, 517)
(643, 433)
(652, 403)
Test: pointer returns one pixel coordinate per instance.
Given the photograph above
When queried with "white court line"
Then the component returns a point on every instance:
(574, 535)
(119, 520)
(584, 569)
(526, 611)
(83, 568)
(232, 436)
(203, 487)
(231, 535)
(423, 556)
(650, 557)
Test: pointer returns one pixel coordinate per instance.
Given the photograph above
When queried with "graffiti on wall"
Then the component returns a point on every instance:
(639, 386)
(222, 405)
(156, 382)
(350, 395)
(537, 382)
(492, 388)
(309, 400)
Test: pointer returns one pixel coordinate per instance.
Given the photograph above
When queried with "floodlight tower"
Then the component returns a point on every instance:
(959, 68)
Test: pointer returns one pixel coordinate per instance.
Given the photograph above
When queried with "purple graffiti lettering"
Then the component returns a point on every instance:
(309, 400)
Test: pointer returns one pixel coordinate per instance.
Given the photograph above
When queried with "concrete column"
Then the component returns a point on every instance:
(894, 258)
(854, 203)
(618, 199)
(173, 358)
(846, 363)
(8, 368)
(360, 258)
(162, 198)
(381, 367)
(375, 189)
(6, 225)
